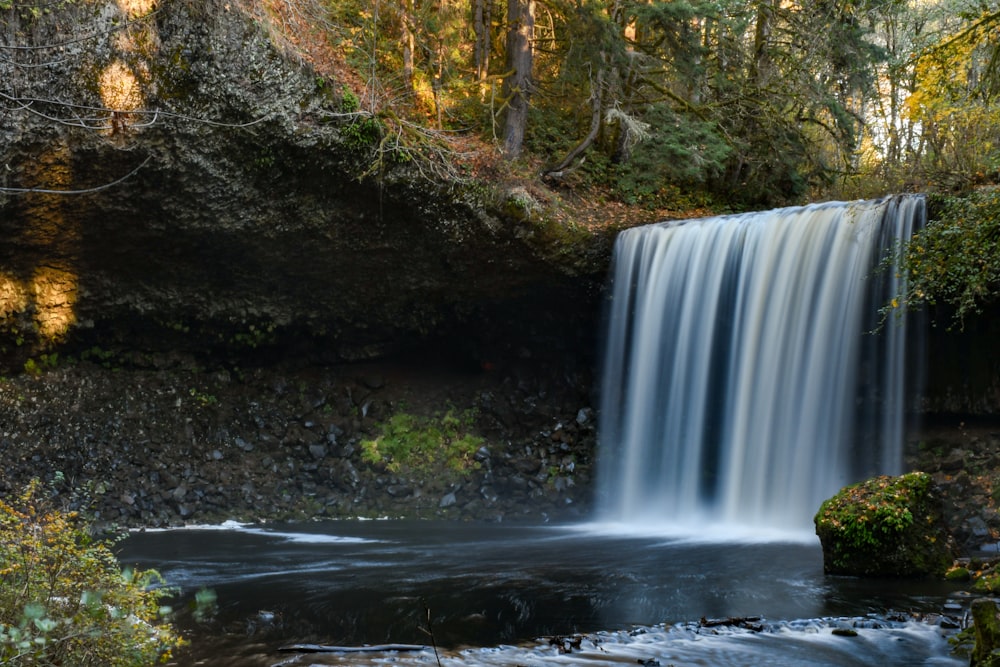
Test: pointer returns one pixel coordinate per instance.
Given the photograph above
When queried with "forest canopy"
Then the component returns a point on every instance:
(681, 103)
(654, 107)
(660, 104)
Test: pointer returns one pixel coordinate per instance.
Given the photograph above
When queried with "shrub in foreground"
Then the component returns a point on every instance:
(64, 599)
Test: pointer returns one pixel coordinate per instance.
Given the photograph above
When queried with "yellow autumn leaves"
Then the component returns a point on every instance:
(64, 600)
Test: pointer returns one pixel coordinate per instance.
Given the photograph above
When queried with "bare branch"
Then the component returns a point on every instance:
(25, 104)
(21, 191)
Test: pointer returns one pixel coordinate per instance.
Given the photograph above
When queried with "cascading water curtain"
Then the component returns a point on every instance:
(741, 382)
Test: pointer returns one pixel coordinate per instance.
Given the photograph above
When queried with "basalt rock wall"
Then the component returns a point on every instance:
(176, 180)
(962, 367)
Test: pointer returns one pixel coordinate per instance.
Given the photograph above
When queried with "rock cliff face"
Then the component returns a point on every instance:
(218, 202)
(179, 191)
(181, 198)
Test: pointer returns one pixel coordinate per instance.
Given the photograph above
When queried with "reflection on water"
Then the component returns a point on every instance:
(354, 583)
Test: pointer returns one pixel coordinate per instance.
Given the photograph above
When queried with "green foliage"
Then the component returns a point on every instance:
(873, 513)
(205, 605)
(988, 584)
(957, 81)
(34, 10)
(44, 362)
(681, 151)
(955, 259)
(435, 445)
(255, 336)
(203, 399)
(963, 642)
(98, 355)
(349, 102)
(362, 133)
(64, 600)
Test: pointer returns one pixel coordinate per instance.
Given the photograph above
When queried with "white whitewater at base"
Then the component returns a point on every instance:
(740, 384)
(784, 644)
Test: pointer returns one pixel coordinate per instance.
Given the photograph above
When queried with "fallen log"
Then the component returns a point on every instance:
(746, 622)
(322, 648)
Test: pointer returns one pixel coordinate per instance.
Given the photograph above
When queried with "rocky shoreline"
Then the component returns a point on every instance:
(182, 444)
(963, 457)
(176, 442)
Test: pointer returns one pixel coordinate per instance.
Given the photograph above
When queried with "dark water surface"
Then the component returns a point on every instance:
(502, 585)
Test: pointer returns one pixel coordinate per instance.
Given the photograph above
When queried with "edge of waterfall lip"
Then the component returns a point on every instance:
(695, 532)
(812, 206)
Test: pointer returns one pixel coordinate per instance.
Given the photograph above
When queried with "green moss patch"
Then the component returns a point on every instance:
(886, 526)
(443, 446)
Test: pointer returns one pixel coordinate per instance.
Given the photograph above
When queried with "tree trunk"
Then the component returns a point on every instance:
(762, 64)
(596, 107)
(517, 84)
(406, 23)
(481, 23)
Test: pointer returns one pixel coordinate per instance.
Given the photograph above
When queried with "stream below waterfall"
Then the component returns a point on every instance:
(492, 590)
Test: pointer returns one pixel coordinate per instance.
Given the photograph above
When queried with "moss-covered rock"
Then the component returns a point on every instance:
(886, 526)
(986, 623)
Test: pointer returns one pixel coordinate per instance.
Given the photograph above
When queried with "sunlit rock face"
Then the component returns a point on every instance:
(172, 178)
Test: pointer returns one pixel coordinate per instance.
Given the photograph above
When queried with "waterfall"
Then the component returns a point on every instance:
(741, 383)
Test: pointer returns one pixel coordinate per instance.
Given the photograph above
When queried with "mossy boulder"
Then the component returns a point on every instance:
(886, 526)
(986, 623)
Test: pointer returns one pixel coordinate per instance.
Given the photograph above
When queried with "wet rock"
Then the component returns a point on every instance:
(373, 381)
(954, 461)
(886, 526)
(398, 490)
(527, 466)
(986, 621)
(977, 527)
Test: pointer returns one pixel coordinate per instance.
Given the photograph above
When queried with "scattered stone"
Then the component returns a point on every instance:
(160, 465)
(844, 632)
(373, 381)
